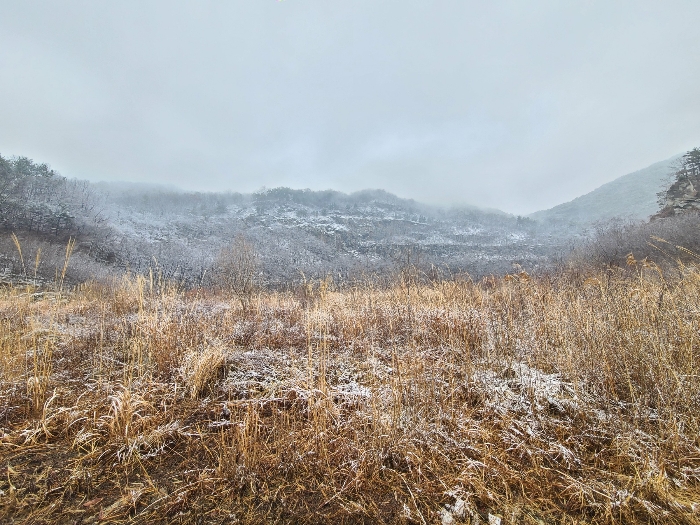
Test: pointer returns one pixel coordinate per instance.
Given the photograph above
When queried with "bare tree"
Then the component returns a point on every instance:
(237, 269)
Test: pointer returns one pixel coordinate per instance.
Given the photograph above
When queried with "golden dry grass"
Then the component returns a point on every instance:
(569, 398)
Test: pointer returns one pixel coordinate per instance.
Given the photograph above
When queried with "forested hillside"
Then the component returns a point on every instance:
(295, 234)
(315, 233)
(35, 199)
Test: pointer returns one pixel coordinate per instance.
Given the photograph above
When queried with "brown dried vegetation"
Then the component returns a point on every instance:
(568, 398)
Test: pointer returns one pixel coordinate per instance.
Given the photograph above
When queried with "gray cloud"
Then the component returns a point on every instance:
(516, 105)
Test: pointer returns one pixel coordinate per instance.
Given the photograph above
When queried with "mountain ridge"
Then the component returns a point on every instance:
(631, 196)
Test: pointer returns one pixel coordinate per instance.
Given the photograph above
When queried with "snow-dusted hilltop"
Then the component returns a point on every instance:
(295, 234)
(315, 233)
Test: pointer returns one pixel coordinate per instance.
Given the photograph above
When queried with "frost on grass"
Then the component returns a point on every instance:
(511, 400)
(520, 389)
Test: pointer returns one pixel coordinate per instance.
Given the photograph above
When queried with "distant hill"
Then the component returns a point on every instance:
(317, 233)
(632, 196)
(297, 234)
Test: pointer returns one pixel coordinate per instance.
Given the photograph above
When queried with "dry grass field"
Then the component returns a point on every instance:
(568, 398)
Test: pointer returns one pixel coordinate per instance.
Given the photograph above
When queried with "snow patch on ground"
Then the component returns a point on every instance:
(518, 388)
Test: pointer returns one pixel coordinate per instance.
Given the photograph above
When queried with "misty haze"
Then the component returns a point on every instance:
(307, 262)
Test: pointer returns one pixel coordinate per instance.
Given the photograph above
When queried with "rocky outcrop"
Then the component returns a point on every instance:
(684, 194)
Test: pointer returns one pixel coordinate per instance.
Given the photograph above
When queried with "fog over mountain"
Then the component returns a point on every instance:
(509, 105)
(192, 124)
(295, 234)
(633, 197)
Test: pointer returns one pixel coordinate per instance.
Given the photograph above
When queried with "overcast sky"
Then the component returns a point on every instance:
(516, 105)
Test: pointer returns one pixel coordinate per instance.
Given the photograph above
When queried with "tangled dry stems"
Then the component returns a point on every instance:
(568, 398)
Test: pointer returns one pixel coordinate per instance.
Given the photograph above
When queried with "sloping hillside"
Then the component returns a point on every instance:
(314, 233)
(632, 196)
